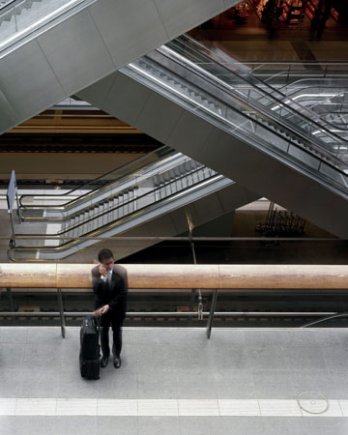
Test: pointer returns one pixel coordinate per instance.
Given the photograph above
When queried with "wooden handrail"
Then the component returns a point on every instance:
(180, 276)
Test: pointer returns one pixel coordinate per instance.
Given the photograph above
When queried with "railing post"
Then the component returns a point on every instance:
(193, 250)
(18, 208)
(288, 75)
(325, 71)
(211, 314)
(15, 19)
(10, 299)
(12, 242)
(61, 311)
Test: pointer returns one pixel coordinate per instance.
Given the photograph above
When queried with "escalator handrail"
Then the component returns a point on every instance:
(41, 23)
(109, 225)
(154, 190)
(130, 201)
(335, 163)
(9, 5)
(257, 139)
(134, 184)
(343, 128)
(164, 150)
(295, 91)
(270, 114)
(276, 100)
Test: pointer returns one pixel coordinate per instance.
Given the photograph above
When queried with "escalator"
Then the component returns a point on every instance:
(208, 112)
(151, 196)
(50, 49)
(326, 99)
(269, 100)
(315, 89)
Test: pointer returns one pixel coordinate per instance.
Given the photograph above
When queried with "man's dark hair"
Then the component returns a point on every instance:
(105, 254)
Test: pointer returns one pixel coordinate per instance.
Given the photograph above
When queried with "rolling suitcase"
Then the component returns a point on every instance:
(89, 350)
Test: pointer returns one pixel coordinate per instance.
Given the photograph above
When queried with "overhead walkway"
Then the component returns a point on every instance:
(155, 195)
(209, 113)
(51, 49)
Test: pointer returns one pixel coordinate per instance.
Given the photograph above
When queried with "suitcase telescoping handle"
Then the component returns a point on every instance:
(97, 321)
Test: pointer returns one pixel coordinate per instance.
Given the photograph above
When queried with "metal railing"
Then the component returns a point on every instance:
(213, 279)
(236, 120)
(259, 92)
(90, 187)
(90, 227)
(207, 316)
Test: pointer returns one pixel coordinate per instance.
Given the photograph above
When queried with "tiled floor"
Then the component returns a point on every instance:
(175, 381)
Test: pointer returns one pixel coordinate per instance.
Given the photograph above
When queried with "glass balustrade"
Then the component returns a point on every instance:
(170, 179)
(239, 81)
(187, 85)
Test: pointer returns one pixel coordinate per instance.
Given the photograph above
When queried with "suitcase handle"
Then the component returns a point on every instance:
(97, 321)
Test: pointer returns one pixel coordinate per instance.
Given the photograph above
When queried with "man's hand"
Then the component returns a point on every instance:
(102, 270)
(103, 310)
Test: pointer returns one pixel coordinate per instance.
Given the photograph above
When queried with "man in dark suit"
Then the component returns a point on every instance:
(110, 286)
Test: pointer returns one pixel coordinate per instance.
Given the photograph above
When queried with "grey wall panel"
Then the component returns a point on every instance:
(260, 172)
(153, 112)
(7, 113)
(200, 209)
(133, 27)
(118, 87)
(121, 90)
(200, 134)
(165, 119)
(129, 28)
(269, 177)
(241, 196)
(101, 90)
(230, 3)
(84, 48)
(76, 52)
(251, 167)
(28, 81)
(186, 14)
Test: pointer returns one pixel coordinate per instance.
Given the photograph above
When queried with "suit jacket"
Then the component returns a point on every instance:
(115, 293)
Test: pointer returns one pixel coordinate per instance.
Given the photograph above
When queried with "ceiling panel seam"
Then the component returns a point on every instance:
(52, 69)
(103, 41)
(162, 22)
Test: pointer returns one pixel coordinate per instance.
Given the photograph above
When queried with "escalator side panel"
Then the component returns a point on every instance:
(174, 223)
(76, 51)
(252, 167)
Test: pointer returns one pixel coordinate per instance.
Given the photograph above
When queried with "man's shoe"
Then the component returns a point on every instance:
(117, 362)
(104, 362)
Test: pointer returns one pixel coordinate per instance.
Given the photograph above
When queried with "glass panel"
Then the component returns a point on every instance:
(85, 191)
(204, 95)
(239, 81)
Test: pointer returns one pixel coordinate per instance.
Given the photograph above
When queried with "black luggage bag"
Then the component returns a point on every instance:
(89, 351)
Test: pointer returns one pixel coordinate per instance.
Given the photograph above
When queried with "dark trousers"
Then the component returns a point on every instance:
(116, 324)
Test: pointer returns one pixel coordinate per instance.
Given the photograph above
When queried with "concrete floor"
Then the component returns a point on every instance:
(175, 381)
